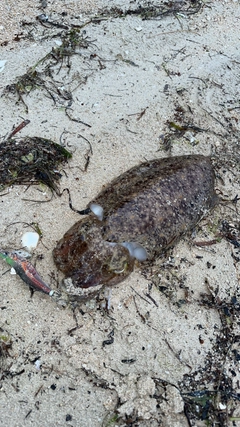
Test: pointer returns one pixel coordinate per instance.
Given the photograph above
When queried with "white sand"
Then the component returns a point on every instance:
(54, 377)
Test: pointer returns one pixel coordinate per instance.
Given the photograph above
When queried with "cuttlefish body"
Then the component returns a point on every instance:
(139, 216)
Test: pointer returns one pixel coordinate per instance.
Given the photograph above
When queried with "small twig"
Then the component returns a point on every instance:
(40, 388)
(206, 243)
(177, 355)
(140, 295)
(38, 201)
(139, 114)
(75, 120)
(152, 299)
(138, 312)
(233, 108)
(197, 78)
(18, 128)
(211, 115)
(29, 412)
(87, 157)
(90, 145)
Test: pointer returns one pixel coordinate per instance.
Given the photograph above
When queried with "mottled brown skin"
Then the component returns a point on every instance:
(83, 255)
(152, 204)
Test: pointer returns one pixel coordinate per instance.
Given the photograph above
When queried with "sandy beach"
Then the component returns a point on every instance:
(137, 81)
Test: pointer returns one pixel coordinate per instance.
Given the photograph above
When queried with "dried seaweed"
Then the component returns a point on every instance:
(42, 76)
(31, 160)
(73, 41)
(34, 79)
(24, 85)
(156, 11)
(209, 393)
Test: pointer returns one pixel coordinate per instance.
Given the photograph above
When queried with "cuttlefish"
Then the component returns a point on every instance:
(137, 217)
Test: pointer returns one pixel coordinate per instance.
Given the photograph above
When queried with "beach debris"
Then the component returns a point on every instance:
(30, 240)
(38, 364)
(18, 128)
(32, 80)
(26, 271)
(42, 75)
(31, 160)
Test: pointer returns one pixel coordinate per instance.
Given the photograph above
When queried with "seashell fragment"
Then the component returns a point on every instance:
(30, 240)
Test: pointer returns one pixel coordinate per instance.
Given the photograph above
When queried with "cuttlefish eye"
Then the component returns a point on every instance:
(120, 260)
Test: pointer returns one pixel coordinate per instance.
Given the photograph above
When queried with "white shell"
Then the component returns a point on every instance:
(30, 240)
